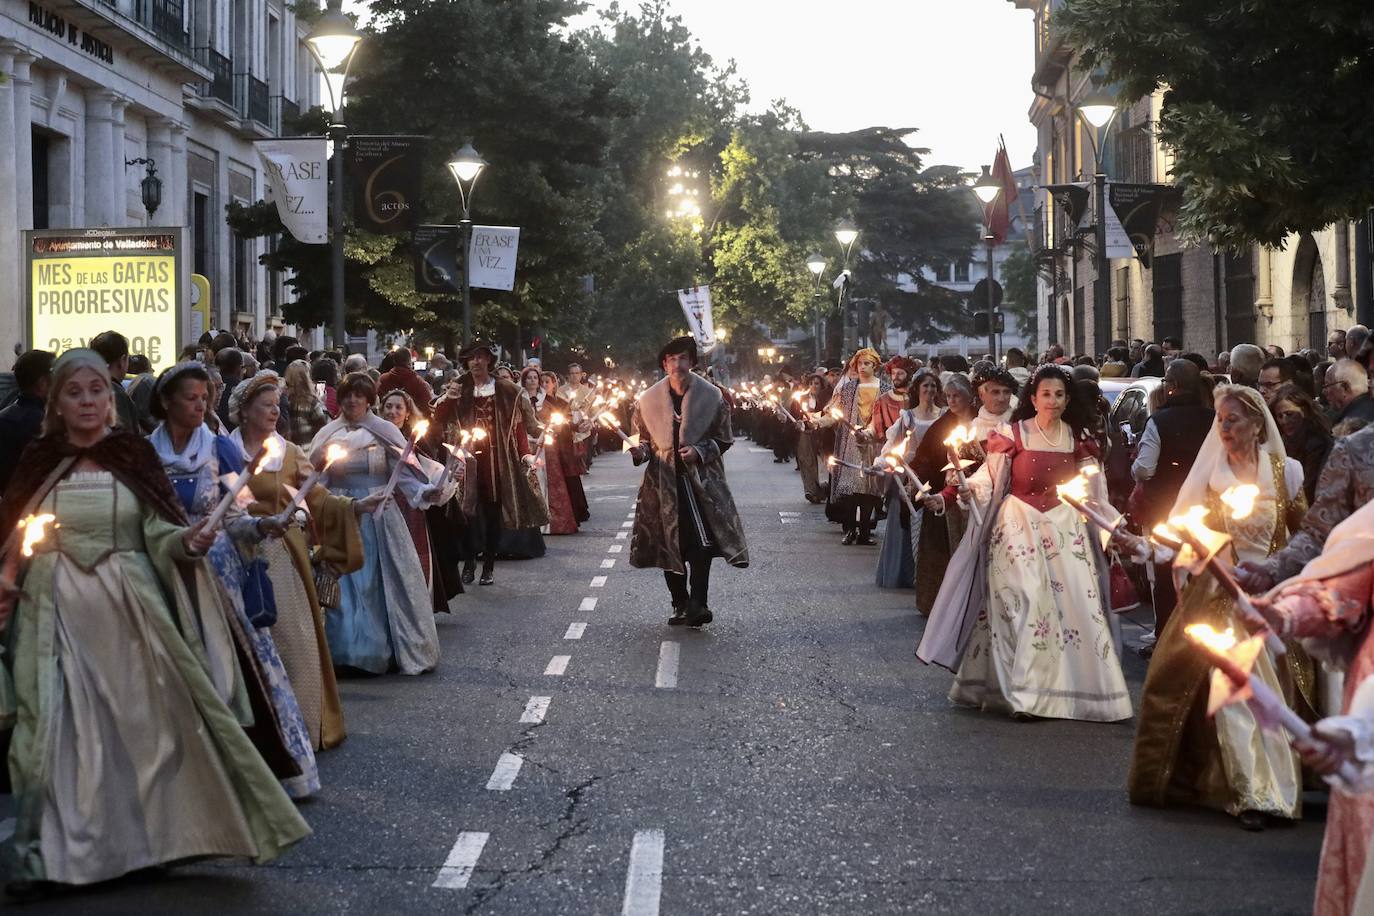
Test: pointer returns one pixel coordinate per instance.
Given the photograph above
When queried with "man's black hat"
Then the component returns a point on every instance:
(1000, 376)
(678, 345)
(478, 344)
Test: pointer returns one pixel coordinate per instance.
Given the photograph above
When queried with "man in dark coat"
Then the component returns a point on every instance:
(497, 491)
(21, 421)
(1168, 448)
(686, 515)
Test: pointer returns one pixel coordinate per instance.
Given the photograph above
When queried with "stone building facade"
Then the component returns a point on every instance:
(88, 85)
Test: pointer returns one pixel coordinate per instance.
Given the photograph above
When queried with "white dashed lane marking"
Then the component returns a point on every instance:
(615, 548)
(507, 768)
(558, 665)
(575, 631)
(608, 564)
(588, 604)
(627, 524)
(535, 710)
(644, 878)
(461, 861)
(668, 654)
(621, 535)
(598, 582)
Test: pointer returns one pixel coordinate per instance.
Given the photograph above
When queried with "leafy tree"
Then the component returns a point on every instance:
(1267, 105)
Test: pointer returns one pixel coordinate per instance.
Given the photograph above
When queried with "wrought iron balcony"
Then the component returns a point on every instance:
(221, 85)
(254, 103)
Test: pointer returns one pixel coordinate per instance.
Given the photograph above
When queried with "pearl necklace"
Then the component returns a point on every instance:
(1058, 442)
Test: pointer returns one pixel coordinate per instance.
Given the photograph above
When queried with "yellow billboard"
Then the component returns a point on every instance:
(83, 282)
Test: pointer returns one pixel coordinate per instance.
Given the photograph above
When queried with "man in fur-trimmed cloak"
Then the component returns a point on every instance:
(686, 515)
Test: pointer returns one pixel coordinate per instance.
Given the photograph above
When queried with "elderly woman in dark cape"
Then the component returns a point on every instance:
(118, 640)
(686, 514)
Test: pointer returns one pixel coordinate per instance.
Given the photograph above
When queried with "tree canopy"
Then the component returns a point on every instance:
(1266, 105)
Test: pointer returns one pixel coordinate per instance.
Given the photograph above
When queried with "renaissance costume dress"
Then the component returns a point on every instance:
(901, 531)
(299, 631)
(385, 617)
(855, 497)
(940, 533)
(198, 475)
(554, 471)
(1032, 580)
(1228, 763)
(120, 641)
(810, 447)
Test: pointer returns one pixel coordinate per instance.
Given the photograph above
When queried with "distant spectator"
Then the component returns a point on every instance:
(223, 341)
(1273, 374)
(1116, 365)
(21, 422)
(1274, 351)
(1224, 362)
(113, 347)
(1015, 359)
(1197, 359)
(324, 371)
(402, 375)
(1054, 353)
(1355, 337)
(1319, 381)
(1335, 344)
(1302, 372)
(140, 389)
(1246, 360)
(307, 411)
(1172, 347)
(1152, 366)
(229, 362)
(1086, 372)
(355, 362)
(1136, 353)
(1306, 433)
(1347, 391)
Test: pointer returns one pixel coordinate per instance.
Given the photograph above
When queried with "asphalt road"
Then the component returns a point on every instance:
(796, 759)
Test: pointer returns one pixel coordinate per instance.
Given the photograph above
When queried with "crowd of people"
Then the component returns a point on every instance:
(196, 556)
(990, 482)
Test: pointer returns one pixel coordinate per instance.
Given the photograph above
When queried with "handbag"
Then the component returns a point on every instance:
(327, 585)
(259, 599)
(1123, 594)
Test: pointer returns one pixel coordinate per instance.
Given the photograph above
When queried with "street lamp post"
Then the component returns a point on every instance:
(815, 262)
(332, 42)
(986, 188)
(1098, 110)
(846, 233)
(466, 166)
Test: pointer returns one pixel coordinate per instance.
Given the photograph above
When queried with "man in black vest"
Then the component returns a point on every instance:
(1169, 446)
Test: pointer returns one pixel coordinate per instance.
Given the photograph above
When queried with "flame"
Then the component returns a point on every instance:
(894, 461)
(270, 450)
(1075, 490)
(548, 439)
(1190, 521)
(1205, 636)
(898, 450)
(837, 413)
(609, 419)
(479, 434)
(798, 395)
(959, 436)
(34, 528)
(1091, 470)
(1165, 533)
(832, 461)
(1240, 499)
(335, 452)
(419, 429)
(557, 419)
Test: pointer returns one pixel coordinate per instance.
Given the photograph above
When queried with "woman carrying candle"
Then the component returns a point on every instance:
(561, 486)
(811, 442)
(254, 405)
(855, 498)
(120, 640)
(398, 408)
(1229, 763)
(196, 461)
(385, 617)
(901, 533)
(1022, 612)
(942, 521)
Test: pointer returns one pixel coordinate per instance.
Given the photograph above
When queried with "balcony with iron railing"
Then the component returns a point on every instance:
(254, 99)
(284, 113)
(221, 84)
(166, 19)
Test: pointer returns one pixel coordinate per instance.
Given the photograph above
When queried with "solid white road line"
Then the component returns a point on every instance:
(621, 535)
(644, 879)
(507, 768)
(615, 548)
(575, 631)
(535, 710)
(668, 654)
(461, 861)
(588, 604)
(598, 582)
(608, 564)
(558, 665)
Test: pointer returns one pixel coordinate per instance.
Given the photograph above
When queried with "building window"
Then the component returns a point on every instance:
(961, 272)
(243, 273)
(1240, 299)
(40, 180)
(1168, 295)
(940, 271)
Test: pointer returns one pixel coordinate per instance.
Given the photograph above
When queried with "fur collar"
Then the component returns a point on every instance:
(699, 408)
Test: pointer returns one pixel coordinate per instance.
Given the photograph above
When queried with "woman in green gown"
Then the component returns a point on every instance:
(123, 692)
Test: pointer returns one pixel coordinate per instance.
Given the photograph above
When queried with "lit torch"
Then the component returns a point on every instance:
(958, 437)
(416, 434)
(335, 452)
(1234, 682)
(609, 421)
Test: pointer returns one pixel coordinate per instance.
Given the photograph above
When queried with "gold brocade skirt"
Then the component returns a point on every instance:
(1180, 756)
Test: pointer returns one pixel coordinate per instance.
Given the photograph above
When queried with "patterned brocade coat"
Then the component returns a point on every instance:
(705, 425)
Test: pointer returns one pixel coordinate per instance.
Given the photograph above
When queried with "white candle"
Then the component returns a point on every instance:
(269, 450)
(421, 427)
(331, 455)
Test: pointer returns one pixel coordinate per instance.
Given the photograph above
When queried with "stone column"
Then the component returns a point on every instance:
(160, 151)
(11, 260)
(23, 136)
(177, 185)
(1264, 286)
(120, 191)
(100, 179)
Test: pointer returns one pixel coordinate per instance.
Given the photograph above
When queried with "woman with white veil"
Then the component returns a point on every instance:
(1228, 763)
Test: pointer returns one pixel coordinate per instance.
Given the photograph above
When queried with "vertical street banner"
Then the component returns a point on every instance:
(436, 259)
(298, 182)
(79, 282)
(491, 255)
(386, 175)
(696, 308)
(1139, 209)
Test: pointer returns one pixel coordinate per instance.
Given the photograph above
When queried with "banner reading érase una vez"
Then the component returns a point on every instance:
(72, 299)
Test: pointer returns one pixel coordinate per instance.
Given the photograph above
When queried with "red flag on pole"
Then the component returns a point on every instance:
(999, 212)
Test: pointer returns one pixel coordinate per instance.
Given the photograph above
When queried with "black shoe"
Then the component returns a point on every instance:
(469, 573)
(679, 615)
(488, 576)
(850, 536)
(698, 615)
(1254, 821)
(865, 540)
